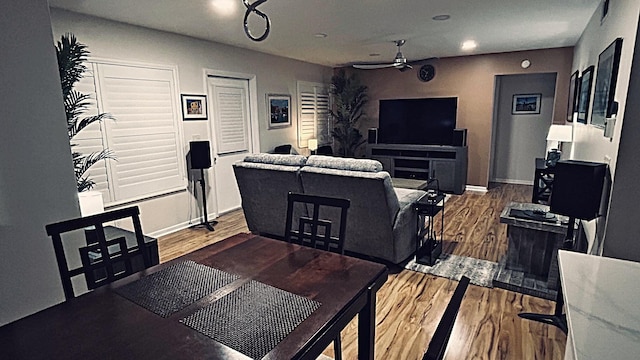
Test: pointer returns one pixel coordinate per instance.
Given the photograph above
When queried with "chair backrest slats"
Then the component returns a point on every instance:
(103, 261)
(313, 230)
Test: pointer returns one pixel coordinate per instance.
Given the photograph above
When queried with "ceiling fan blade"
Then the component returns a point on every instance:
(373, 66)
(404, 67)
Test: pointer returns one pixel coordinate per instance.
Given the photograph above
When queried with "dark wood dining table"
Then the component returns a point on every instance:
(105, 324)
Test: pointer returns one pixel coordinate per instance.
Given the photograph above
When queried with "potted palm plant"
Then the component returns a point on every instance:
(349, 98)
(71, 56)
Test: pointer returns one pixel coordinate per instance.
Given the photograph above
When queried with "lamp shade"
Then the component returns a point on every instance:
(563, 133)
(313, 144)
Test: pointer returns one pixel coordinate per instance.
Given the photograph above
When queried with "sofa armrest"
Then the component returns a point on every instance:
(405, 224)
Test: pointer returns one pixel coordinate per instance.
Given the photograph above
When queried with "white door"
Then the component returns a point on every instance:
(231, 136)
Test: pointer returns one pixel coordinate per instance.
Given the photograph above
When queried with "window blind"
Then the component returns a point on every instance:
(313, 113)
(232, 131)
(145, 135)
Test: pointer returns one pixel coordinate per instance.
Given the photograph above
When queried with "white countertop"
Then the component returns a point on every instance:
(602, 302)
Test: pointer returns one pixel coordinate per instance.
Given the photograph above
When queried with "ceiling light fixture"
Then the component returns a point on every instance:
(441, 17)
(253, 8)
(320, 35)
(469, 45)
(224, 7)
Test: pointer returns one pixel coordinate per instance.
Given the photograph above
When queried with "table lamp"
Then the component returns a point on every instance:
(558, 134)
(313, 145)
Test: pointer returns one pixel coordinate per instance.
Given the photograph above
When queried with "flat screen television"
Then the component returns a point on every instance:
(426, 121)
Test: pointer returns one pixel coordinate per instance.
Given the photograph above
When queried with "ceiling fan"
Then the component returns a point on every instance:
(400, 62)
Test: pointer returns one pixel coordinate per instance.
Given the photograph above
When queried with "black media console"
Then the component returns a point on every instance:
(448, 164)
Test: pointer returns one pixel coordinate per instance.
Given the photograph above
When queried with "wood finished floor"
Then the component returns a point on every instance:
(410, 304)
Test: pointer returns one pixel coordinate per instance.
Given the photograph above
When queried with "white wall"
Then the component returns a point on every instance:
(622, 20)
(37, 185)
(622, 226)
(520, 138)
(112, 40)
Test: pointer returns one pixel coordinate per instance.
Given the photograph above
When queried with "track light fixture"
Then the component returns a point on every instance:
(253, 8)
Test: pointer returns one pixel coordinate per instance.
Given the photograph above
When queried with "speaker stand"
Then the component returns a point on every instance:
(205, 222)
(558, 318)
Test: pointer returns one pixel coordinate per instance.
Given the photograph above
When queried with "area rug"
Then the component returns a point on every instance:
(480, 272)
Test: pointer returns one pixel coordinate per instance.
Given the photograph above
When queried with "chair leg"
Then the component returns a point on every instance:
(337, 348)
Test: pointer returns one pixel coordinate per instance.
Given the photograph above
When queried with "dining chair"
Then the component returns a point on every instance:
(440, 339)
(314, 231)
(103, 260)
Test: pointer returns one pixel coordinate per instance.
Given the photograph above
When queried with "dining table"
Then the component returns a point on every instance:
(246, 296)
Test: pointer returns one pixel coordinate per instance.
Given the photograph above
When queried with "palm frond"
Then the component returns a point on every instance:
(71, 56)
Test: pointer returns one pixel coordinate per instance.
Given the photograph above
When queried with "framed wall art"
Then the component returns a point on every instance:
(279, 107)
(585, 94)
(194, 107)
(573, 94)
(524, 104)
(606, 79)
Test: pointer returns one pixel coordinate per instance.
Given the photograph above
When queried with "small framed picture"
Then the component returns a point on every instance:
(574, 87)
(525, 104)
(279, 107)
(194, 107)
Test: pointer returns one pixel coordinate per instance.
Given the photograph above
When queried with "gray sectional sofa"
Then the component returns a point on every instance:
(381, 222)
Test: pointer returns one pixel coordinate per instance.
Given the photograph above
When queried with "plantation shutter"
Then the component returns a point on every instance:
(313, 113)
(91, 139)
(145, 135)
(230, 116)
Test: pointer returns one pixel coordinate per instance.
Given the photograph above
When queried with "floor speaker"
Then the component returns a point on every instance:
(373, 136)
(459, 137)
(200, 154)
(577, 188)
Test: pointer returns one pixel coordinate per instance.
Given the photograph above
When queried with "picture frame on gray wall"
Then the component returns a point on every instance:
(606, 79)
(585, 94)
(574, 83)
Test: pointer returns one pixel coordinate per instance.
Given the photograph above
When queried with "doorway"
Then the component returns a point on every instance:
(518, 138)
(231, 129)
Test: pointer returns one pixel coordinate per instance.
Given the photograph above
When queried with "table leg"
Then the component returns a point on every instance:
(367, 327)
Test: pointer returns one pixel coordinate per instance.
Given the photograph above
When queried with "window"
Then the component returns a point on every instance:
(145, 137)
(313, 113)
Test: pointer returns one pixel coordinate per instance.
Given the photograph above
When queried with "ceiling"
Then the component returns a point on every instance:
(357, 29)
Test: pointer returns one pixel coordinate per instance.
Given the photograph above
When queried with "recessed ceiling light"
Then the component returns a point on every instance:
(224, 7)
(469, 45)
(320, 35)
(441, 17)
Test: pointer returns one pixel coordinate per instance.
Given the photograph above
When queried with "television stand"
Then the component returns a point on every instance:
(446, 163)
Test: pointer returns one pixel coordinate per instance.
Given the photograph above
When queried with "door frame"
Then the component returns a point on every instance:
(254, 125)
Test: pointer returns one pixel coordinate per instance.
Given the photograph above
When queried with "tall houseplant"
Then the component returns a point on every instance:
(349, 98)
(71, 57)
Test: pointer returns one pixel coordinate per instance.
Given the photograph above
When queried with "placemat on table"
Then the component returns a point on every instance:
(175, 287)
(253, 319)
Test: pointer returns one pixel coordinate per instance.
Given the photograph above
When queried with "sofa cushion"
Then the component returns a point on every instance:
(276, 159)
(331, 162)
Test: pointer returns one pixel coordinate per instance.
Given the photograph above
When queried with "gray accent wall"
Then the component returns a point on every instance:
(37, 185)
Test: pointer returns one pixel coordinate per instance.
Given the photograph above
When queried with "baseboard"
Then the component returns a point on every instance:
(187, 224)
(474, 188)
(511, 181)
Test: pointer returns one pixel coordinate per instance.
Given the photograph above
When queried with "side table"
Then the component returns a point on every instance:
(542, 182)
(428, 243)
(530, 265)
